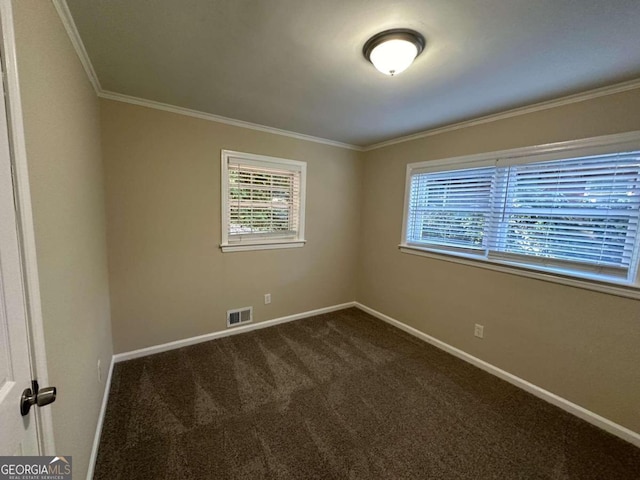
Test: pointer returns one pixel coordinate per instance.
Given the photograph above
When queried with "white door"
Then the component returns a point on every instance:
(18, 434)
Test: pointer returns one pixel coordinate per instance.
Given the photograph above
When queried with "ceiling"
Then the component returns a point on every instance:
(297, 65)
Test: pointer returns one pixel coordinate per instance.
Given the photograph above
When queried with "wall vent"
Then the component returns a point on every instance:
(238, 316)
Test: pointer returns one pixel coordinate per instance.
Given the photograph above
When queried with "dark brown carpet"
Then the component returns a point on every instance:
(341, 396)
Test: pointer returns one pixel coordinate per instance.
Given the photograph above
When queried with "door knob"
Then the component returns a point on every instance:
(46, 396)
(36, 396)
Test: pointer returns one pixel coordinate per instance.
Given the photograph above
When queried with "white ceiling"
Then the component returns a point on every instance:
(297, 65)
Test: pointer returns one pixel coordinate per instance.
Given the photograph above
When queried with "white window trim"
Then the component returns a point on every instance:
(588, 146)
(257, 244)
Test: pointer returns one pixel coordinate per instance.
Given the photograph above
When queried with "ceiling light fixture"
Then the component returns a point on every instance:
(393, 51)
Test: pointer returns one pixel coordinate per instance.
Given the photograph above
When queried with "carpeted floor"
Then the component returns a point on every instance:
(338, 396)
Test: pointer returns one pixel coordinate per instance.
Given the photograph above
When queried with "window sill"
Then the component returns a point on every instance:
(523, 271)
(243, 247)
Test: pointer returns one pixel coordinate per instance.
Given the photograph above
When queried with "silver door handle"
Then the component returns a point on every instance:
(36, 396)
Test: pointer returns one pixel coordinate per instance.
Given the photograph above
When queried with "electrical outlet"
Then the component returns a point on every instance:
(479, 331)
(99, 372)
(267, 298)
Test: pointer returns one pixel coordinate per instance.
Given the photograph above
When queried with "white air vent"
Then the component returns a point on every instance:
(238, 316)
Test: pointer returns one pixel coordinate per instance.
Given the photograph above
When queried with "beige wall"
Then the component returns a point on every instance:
(169, 279)
(579, 344)
(62, 127)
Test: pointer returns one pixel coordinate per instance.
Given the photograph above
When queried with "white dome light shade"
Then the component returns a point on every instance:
(393, 51)
(393, 56)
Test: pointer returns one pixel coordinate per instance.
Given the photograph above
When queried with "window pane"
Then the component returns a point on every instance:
(450, 209)
(582, 210)
(262, 201)
(575, 216)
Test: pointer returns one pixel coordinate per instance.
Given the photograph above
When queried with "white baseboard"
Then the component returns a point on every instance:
(103, 409)
(120, 357)
(143, 352)
(580, 412)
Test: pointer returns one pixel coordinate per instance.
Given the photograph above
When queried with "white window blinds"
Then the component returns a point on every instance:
(579, 213)
(263, 200)
(450, 209)
(573, 215)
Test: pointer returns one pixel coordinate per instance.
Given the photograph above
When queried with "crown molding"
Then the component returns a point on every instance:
(536, 107)
(570, 99)
(69, 25)
(119, 97)
(67, 20)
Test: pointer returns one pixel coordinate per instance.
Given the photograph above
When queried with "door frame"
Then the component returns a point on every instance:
(24, 220)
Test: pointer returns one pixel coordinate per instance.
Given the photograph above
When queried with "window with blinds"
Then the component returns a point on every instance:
(450, 209)
(263, 202)
(575, 216)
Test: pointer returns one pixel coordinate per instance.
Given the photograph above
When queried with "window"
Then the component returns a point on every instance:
(571, 209)
(262, 202)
